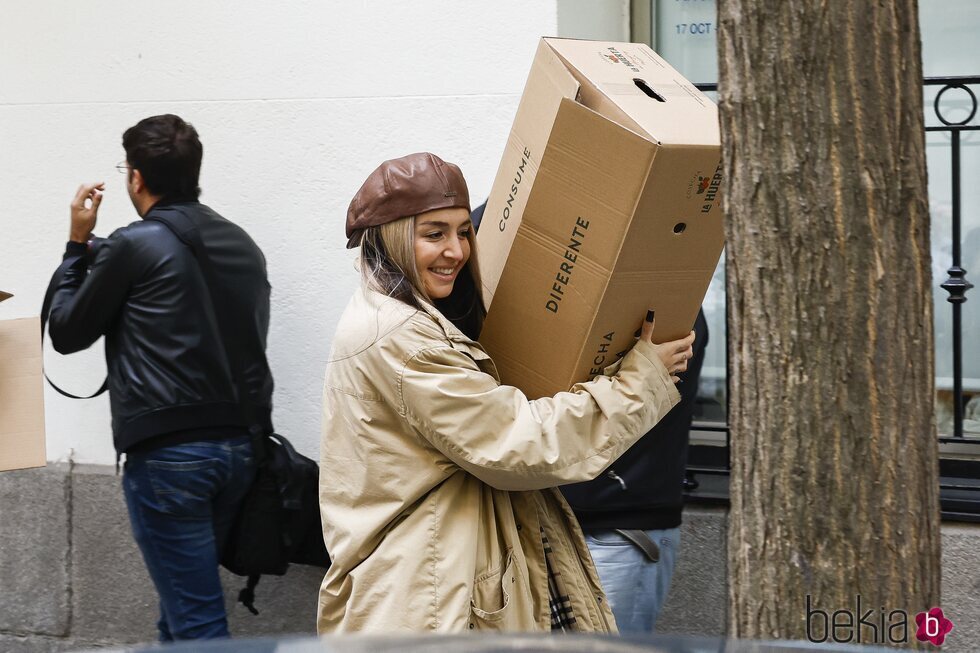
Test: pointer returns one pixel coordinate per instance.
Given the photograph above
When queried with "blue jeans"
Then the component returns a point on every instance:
(635, 587)
(182, 501)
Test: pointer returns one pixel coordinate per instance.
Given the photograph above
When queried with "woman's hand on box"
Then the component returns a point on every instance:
(673, 354)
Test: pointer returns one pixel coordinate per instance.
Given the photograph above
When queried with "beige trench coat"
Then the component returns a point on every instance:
(435, 480)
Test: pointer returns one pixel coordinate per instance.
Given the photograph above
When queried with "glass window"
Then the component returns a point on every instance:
(684, 33)
(685, 37)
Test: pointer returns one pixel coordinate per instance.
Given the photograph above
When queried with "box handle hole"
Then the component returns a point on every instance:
(680, 227)
(643, 86)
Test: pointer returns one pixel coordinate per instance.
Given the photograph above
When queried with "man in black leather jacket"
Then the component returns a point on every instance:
(183, 397)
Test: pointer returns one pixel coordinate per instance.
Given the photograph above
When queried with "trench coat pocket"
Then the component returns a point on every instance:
(497, 599)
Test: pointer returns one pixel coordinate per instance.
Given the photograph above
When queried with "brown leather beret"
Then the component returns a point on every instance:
(403, 187)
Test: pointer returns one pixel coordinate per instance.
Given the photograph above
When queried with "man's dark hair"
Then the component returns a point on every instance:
(167, 152)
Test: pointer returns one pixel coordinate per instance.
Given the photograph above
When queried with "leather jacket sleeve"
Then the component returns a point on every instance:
(87, 301)
(495, 433)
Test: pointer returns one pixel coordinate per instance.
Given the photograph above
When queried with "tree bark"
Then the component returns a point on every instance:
(834, 483)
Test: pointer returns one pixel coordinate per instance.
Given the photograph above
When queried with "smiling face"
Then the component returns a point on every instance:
(442, 248)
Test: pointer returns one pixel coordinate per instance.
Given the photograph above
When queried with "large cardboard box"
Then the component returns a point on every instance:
(606, 203)
(21, 394)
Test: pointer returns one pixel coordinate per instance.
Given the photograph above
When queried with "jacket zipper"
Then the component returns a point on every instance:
(616, 477)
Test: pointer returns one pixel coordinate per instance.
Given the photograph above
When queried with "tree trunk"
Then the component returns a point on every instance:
(834, 484)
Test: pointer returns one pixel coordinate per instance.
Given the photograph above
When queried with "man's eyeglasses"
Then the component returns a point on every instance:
(122, 167)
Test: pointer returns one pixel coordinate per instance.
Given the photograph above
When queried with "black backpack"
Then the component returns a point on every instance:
(279, 519)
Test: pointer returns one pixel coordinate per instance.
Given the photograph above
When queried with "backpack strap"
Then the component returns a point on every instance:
(56, 278)
(247, 595)
(187, 232)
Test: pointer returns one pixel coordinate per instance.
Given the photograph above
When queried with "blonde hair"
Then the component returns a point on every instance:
(388, 265)
(387, 261)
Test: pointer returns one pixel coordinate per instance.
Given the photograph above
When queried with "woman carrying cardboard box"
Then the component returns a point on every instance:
(437, 481)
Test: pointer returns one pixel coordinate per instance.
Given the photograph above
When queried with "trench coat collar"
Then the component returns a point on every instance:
(380, 301)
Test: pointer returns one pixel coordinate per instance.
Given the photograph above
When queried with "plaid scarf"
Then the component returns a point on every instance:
(562, 615)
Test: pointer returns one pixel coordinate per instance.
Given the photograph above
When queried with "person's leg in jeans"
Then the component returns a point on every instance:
(226, 504)
(635, 587)
(175, 496)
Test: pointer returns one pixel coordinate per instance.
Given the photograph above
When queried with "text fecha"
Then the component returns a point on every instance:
(603, 356)
(564, 274)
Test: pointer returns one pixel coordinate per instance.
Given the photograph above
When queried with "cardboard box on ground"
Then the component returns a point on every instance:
(21, 394)
(606, 203)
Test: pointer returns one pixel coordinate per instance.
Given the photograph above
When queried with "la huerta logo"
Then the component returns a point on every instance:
(710, 191)
(618, 57)
(697, 185)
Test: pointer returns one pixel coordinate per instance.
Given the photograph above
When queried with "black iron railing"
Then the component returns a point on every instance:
(956, 283)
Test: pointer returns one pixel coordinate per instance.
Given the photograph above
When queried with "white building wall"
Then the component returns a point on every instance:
(296, 102)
